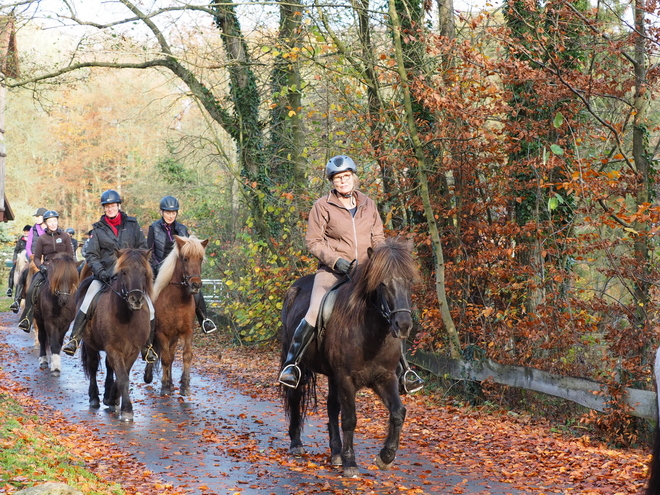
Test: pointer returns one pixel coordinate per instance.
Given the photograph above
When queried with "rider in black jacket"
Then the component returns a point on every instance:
(160, 240)
(21, 244)
(115, 230)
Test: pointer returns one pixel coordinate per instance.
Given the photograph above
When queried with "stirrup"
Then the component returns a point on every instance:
(23, 327)
(293, 369)
(149, 354)
(71, 347)
(211, 326)
(416, 379)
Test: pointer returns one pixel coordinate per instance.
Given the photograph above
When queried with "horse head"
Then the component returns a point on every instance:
(191, 253)
(390, 272)
(133, 277)
(63, 278)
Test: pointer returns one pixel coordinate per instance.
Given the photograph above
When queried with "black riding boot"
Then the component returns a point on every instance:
(78, 327)
(207, 324)
(290, 374)
(28, 311)
(10, 281)
(16, 305)
(409, 381)
(148, 352)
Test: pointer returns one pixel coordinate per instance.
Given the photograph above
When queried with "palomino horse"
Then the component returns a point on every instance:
(55, 308)
(178, 280)
(361, 348)
(22, 263)
(120, 326)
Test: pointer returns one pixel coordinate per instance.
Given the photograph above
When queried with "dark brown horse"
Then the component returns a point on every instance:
(179, 279)
(55, 308)
(361, 348)
(119, 325)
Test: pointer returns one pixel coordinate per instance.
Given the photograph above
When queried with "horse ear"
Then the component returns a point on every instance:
(205, 243)
(180, 242)
(370, 252)
(148, 253)
(118, 253)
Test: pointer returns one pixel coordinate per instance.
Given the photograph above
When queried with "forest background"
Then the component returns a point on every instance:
(517, 145)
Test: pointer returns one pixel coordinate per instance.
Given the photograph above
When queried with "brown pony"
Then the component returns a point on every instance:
(178, 280)
(120, 326)
(361, 348)
(55, 308)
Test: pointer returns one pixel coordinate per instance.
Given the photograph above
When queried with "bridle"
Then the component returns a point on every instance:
(125, 294)
(385, 310)
(186, 280)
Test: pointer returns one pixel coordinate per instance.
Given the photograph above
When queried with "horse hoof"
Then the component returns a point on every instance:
(335, 460)
(54, 372)
(43, 365)
(126, 417)
(165, 391)
(382, 465)
(185, 392)
(351, 472)
(299, 450)
(94, 403)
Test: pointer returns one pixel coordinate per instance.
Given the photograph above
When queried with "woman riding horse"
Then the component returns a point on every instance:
(35, 231)
(342, 225)
(115, 230)
(161, 242)
(50, 243)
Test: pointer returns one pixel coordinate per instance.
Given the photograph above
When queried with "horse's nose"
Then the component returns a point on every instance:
(195, 287)
(402, 325)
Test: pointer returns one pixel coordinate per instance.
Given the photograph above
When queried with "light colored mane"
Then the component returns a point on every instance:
(191, 249)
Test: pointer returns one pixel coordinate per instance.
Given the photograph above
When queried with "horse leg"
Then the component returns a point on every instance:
(333, 408)
(123, 390)
(388, 392)
(92, 366)
(43, 354)
(166, 358)
(187, 361)
(55, 346)
(110, 395)
(294, 398)
(348, 423)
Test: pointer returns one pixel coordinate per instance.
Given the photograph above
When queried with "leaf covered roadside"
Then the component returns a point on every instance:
(38, 444)
(502, 446)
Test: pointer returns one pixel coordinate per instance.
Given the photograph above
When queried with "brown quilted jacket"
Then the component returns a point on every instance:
(332, 232)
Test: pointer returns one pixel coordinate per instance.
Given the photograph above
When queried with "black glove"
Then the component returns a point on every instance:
(342, 266)
(43, 269)
(104, 276)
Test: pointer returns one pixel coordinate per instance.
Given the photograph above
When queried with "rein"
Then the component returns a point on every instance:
(125, 294)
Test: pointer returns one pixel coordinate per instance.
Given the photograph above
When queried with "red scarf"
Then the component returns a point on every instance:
(113, 222)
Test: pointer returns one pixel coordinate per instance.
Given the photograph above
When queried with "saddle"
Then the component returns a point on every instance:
(325, 311)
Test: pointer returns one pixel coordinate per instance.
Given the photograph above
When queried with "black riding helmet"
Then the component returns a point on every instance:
(51, 214)
(110, 196)
(70, 231)
(169, 203)
(338, 164)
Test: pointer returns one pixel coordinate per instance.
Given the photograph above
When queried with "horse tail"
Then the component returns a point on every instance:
(653, 487)
(87, 361)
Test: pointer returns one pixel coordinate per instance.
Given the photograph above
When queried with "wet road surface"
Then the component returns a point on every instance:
(220, 441)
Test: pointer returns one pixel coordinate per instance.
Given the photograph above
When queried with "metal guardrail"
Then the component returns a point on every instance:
(212, 289)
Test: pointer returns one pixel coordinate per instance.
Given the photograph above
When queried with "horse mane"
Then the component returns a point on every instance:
(131, 257)
(391, 259)
(62, 267)
(192, 248)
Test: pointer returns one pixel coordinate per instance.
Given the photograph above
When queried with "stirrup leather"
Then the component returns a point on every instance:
(413, 378)
(296, 371)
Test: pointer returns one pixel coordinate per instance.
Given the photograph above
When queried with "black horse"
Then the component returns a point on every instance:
(360, 348)
(55, 308)
(119, 326)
